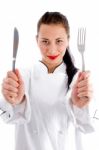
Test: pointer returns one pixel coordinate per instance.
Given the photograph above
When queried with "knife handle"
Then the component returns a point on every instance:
(13, 64)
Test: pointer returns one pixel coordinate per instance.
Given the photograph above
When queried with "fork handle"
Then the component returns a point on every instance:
(83, 62)
(83, 67)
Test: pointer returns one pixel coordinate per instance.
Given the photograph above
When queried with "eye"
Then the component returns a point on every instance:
(59, 42)
(45, 42)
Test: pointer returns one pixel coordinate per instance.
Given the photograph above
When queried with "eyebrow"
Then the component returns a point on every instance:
(44, 39)
(55, 39)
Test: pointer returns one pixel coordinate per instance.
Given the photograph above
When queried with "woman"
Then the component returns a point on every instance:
(45, 100)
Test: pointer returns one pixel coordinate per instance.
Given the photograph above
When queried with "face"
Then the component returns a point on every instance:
(52, 41)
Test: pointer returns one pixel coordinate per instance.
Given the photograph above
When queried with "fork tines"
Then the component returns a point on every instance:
(81, 36)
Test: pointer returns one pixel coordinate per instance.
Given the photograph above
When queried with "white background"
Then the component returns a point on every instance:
(24, 14)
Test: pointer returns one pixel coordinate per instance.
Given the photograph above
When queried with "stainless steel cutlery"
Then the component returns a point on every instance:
(81, 38)
(15, 47)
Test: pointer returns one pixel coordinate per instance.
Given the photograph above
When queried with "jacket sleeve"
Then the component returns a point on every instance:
(17, 114)
(82, 118)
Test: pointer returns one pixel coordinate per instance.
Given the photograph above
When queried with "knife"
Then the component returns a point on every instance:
(15, 47)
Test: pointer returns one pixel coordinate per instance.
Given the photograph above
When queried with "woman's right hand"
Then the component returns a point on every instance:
(13, 88)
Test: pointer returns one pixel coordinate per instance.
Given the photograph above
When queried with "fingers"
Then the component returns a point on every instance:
(13, 87)
(12, 75)
(10, 87)
(87, 94)
(10, 82)
(83, 79)
(15, 76)
(83, 75)
(9, 93)
(20, 80)
(84, 86)
(85, 82)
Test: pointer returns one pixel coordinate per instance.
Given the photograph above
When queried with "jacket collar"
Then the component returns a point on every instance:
(61, 68)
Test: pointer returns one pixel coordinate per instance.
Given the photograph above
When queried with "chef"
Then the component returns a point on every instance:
(45, 101)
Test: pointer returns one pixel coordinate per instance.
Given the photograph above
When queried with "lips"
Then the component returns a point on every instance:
(53, 57)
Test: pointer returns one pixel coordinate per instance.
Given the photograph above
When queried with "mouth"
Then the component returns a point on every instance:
(53, 57)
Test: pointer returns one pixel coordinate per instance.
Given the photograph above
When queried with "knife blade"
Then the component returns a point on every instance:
(15, 47)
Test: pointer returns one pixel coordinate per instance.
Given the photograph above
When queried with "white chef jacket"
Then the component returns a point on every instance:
(44, 118)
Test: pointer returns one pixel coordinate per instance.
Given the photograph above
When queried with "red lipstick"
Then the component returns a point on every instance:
(53, 57)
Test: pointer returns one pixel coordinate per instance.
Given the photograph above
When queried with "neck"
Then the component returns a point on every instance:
(50, 67)
(51, 70)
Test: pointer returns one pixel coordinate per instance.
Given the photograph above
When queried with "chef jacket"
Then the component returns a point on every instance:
(46, 119)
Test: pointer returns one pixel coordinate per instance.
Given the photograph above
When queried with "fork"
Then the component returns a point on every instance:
(81, 44)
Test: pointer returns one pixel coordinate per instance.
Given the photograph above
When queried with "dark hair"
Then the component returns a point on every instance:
(58, 18)
(54, 18)
(70, 69)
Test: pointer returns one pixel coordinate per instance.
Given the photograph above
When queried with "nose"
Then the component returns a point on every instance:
(52, 48)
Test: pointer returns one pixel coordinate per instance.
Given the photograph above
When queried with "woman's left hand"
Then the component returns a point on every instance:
(82, 91)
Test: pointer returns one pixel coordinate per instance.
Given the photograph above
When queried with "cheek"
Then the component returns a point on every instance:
(63, 53)
(62, 50)
(43, 50)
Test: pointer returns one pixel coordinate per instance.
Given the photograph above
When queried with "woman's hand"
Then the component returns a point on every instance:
(82, 91)
(13, 87)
